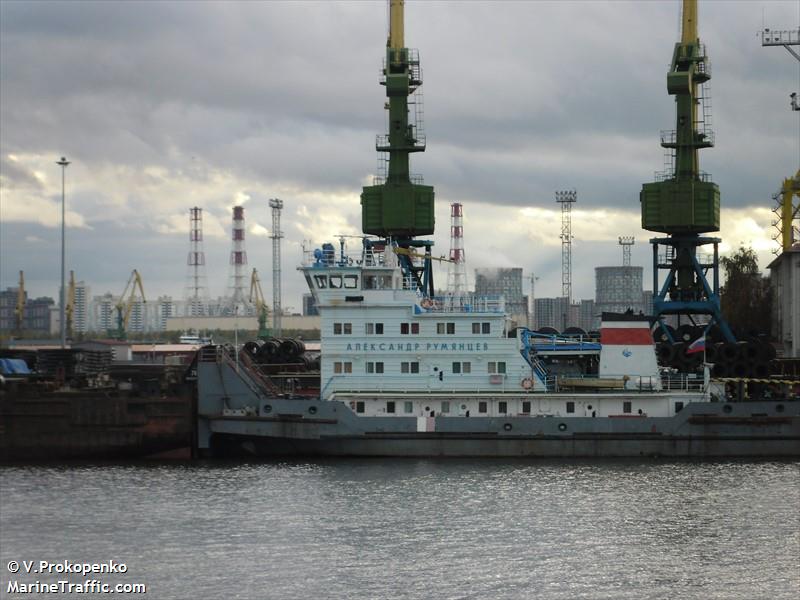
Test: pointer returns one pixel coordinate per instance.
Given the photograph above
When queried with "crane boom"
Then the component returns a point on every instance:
(396, 32)
(125, 306)
(689, 25)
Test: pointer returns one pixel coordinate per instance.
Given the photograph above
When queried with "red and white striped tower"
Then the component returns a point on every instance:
(238, 301)
(457, 271)
(196, 292)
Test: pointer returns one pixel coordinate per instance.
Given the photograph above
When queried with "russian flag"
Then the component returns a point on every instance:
(699, 345)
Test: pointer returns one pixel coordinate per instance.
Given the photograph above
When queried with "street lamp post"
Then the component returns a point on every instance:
(62, 297)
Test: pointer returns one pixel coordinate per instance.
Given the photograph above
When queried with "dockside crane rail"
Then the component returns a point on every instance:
(257, 298)
(126, 303)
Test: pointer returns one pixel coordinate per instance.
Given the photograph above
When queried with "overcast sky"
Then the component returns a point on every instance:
(162, 106)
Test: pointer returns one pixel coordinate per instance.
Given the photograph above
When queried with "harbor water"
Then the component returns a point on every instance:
(411, 528)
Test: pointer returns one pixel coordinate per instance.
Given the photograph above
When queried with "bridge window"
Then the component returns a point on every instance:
(351, 282)
(390, 407)
(409, 367)
(496, 367)
(626, 407)
(359, 407)
(526, 407)
(482, 407)
(321, 281)
(502, 407)
(375, 367)
(336, 281)
(570, 407)
(342, 367)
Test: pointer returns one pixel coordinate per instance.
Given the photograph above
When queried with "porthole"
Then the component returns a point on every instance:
(312, 410)
(589, 407)
(463, 407)
(507, 426)
(779, 408)
(562, 426)
(727, 409)
(267, 408)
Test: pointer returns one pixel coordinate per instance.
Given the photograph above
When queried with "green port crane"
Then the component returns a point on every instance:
(683, 202)
(257, 298)
(398, 207)
(125, 305)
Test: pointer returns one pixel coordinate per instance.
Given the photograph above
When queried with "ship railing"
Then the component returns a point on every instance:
(466, 304)
(247, 371)
(682, 382)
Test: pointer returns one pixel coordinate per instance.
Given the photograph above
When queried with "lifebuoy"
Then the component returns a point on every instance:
(426, 303)
(527, 383)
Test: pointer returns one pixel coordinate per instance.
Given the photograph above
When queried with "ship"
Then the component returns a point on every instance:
(407, 371)
(77, 404)
(404, 373)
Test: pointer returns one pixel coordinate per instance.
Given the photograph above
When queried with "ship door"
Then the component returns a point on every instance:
(436, 377)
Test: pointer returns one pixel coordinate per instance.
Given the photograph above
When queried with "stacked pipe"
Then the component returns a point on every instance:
(282, 351)
(745, 359)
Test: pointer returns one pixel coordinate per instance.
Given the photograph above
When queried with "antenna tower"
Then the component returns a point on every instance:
(566, 198)
(196, 292)
(626, 242)
(277, 234)
(238, 301)
(457, 269)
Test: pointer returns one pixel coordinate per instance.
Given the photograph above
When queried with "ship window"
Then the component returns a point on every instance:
(321, 281)
(351, 282)
(403, 328)
(406, 327)
(485, 327)
(374, 367)
(451, 328)
(440, 328)
(466, 367)
(369, 282)
(408, 407)
(626, 407)
(496, 367)
(342, 367)
(348, 328)
(415, 328)
(373, 328)
(445, 407)
(502, 407)
(336, 281)
(570, 407)
(409, 367)
(482, 407)
(456, 367)
(678, 407)
(476, 328)
(359, 407)
(337, 329)
(390, 407)
(526, 407)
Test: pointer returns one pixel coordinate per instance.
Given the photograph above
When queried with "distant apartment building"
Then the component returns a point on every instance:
(80, 313)
(506, 282)
(618, 289)
(8, 306)
(36, 313)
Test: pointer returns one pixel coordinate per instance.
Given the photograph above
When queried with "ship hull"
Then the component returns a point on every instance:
(93, 424)
(314, 428)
